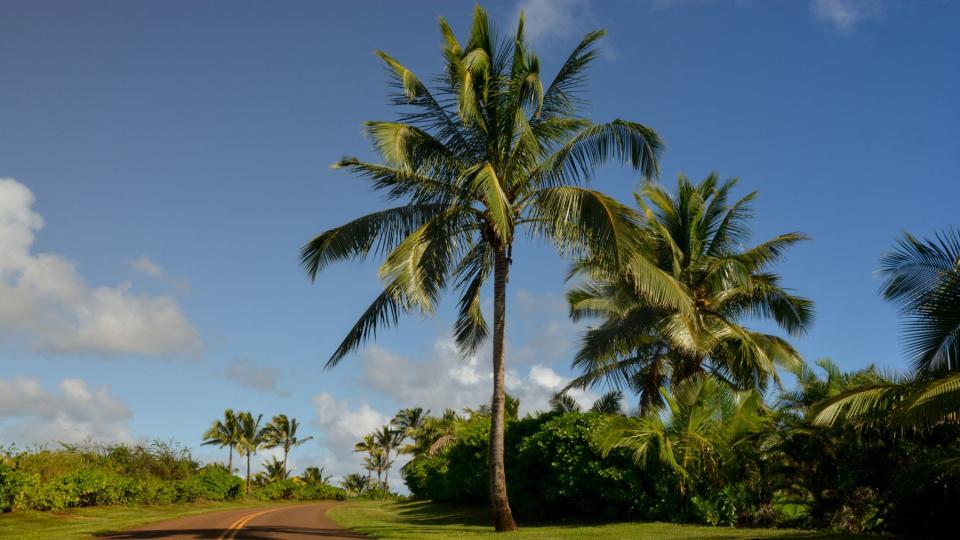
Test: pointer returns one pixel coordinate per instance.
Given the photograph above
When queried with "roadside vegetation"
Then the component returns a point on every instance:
(690, 327)
(160, 473)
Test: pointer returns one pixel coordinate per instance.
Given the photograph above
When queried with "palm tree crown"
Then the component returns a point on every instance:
(696, 238)
(225, 432)
(281, 432)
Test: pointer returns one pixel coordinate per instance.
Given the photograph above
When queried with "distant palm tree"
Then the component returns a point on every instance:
(609, 403)
(368, 445)
(492, 154)
(408, 421)
(224, 432)
(388, 439)
(274, 470)
(696, 237)
(355, 483)
(250, 438)
(281, 432)
(377, 462)
(314, 476)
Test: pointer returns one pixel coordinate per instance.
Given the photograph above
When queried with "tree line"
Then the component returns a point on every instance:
(242, 432)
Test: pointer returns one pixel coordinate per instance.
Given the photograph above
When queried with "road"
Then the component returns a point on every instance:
(277, 522)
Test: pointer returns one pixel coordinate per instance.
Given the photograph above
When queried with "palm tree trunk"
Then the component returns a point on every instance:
(230, 461)
(286, 451)
(499, 503)
(248, 473)
(386, 476)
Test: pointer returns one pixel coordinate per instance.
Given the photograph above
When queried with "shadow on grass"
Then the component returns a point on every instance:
(457, 518)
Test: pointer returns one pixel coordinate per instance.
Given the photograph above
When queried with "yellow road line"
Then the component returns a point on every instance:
(235, 527)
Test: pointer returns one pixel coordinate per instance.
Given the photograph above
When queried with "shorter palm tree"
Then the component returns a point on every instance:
(314, 476)
(250, 438)
(281, 432)
(609, 403)
(355, 483)
(388, 439)
(274, 470)
(696, 238)
(368, 445)
(705, 421)
(224, 432)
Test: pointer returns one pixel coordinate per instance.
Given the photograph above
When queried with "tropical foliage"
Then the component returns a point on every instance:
(696, 237)
(490, 152)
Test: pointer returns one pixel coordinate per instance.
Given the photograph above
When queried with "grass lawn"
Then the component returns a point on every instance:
(97, 520)
(437, 521)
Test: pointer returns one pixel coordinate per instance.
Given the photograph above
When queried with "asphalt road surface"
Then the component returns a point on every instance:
(283, 522)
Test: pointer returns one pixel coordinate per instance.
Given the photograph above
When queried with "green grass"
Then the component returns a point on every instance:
(98, 520)
(436, 521)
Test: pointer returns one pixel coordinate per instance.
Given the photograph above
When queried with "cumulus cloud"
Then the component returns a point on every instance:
(845, 15)
(31, 414)
(249, 374)
(545, 20)
(448, 380)
(341, 426)
(48, 305)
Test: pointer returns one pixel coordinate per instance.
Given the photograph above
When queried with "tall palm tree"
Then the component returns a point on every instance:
(388, 439)
(488, 153)
(923, 278)
(250, 438)
(281, 432)
(697, 238)
(224, 432)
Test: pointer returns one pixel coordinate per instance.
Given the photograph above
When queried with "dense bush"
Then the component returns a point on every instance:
(160, 473)
(294, 489)
(787, 473)
(552, 470)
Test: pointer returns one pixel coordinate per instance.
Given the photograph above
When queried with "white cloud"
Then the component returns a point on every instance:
(844, 15)
(447, 380)
(148, 267)
(545, 20)
(340, 428)
(249, 374)
(48, 305)
(30, 414)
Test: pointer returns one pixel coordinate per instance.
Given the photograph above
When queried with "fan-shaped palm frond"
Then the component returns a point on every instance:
(922, 277)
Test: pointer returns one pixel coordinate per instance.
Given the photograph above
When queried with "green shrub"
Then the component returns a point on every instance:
(13, 486)
(85, 487)
(275, 491)
(291, 489)
(320, 492)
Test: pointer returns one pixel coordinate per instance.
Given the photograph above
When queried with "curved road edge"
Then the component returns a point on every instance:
(258, 523)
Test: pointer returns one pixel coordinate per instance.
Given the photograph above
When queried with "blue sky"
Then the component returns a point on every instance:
(166, 160)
